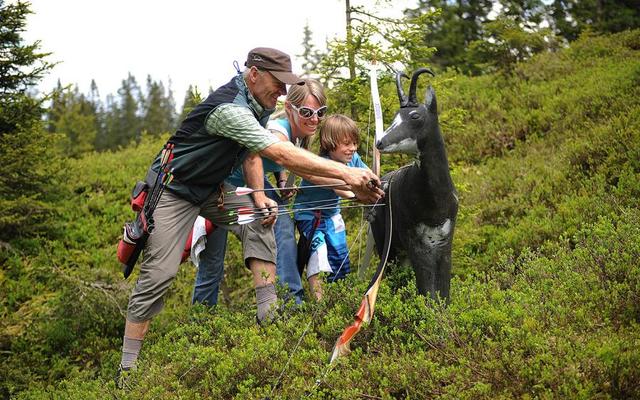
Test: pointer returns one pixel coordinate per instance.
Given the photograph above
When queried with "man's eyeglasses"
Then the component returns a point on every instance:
(308, 112)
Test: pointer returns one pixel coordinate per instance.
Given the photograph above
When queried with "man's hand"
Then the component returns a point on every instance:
(365, 185)
(268, 207)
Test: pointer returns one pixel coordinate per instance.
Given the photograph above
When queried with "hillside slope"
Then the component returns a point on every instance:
(545, 300)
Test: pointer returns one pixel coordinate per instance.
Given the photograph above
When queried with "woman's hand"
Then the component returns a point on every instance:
(286, 194)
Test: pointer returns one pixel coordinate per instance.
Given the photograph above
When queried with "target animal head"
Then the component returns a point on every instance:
(412, 120)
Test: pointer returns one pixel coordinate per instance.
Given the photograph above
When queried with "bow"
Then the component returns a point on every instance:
(377, 112)
(375, 167)
(365, 312)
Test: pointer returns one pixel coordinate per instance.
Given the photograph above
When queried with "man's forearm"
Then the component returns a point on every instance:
(364, 183)
(321, 180)
(303, 162)
(254, 176)
(253, 171)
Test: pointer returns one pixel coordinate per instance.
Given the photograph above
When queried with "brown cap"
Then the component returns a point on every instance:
(274, 61)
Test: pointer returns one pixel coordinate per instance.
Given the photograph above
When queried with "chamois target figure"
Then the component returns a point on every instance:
(425, 202)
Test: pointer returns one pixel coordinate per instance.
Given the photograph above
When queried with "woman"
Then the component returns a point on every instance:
(304, 108)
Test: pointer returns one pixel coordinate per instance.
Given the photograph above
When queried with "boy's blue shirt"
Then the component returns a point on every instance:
(322, 197)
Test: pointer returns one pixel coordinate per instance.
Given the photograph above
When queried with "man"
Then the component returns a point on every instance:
(216, 136)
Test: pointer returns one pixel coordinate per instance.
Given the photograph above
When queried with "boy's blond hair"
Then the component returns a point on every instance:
(337, 129)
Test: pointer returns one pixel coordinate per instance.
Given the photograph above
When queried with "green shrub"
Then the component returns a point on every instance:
(544, 300)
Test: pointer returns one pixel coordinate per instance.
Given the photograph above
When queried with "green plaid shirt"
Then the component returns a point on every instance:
(214, 138)
(239, 124)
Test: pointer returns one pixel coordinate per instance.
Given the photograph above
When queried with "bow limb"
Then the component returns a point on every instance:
(364, 315)
(377, 112)
(367, 306)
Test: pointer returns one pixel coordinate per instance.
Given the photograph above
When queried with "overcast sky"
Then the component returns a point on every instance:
(188, 41)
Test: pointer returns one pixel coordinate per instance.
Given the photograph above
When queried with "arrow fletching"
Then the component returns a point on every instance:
(242, 190)
(245, 219)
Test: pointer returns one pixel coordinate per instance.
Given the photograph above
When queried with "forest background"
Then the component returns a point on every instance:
(540, 109)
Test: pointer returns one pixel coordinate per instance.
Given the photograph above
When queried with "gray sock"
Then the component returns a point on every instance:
(266, 299)
(130, 350)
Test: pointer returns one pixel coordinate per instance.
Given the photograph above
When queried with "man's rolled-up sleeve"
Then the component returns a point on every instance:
(239, 124)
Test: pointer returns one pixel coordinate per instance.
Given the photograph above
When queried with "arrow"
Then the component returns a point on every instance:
(245, 219)
(243, 190)
(319, 203)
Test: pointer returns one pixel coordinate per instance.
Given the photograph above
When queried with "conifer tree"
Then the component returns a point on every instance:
(28, 159)
(98, 109)
(130, 126)
(74, 116)
(158, 109)
(109, 134)
(94, 94)
(191, 99)
(456, 25)
(512, 36)
(122, 120)
(77, 122)
(570, 17)
(310, 55)
(370, 38)
(170, 106)
(56, 107)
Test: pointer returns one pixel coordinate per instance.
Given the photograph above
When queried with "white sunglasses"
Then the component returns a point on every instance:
(308, 112)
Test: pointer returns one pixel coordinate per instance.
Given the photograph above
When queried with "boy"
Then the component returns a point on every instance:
(323, 240)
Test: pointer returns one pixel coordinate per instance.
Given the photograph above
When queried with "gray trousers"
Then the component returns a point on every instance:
(174, 218)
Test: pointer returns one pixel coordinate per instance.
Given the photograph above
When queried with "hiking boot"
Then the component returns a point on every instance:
(122, 377)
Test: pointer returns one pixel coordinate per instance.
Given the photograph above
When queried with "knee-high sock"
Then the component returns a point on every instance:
(130, 350)
(266, 299)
